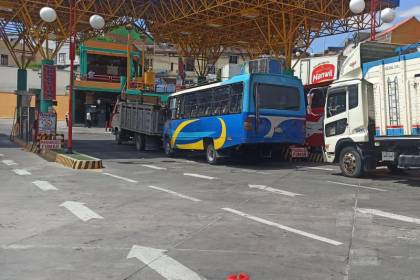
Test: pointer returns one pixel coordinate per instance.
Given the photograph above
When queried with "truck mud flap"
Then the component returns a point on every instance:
(409, 161)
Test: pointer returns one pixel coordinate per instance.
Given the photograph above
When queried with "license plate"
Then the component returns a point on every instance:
(299, 153)
(388, 156)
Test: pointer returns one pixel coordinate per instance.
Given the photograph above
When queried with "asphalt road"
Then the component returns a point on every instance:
(272, 220)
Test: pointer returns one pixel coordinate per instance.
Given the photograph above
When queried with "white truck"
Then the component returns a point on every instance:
(372, 113)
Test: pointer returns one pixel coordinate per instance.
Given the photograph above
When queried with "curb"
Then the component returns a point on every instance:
(65, 160)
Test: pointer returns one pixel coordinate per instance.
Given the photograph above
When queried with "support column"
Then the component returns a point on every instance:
(45, 104)
(22, 85)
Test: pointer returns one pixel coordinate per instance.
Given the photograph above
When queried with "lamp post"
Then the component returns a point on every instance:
(97, 22)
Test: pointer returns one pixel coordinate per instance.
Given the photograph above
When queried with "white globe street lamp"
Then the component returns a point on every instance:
(388, 15)
(97, 22)
(48, 14)
(357, 6)
(297, 54)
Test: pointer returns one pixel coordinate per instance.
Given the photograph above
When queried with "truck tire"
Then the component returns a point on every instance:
(140, 142)
(118, 139)
(351, 163)
(212, 155)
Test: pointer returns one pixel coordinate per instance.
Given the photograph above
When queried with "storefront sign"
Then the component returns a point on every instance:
(50, 144)
(47, 123)
(48, 82)
(323, 73)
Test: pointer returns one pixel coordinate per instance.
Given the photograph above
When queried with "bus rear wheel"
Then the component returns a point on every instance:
(351, 163)
(212, 155)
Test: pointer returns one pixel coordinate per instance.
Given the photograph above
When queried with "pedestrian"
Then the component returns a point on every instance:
(67, 119)
(88, 119)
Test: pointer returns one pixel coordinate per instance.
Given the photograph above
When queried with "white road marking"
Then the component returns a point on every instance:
(80, 210)
(297, 231)
(9, 162)
(319, 168)
(119, 177)
(22, 172)
(273, 190)
(153, 167)
(166, 266)
(264, 173)
(357, 186)
(1, 155)
(389, 215)
(44, 185)
(199, 176)
(175, 193)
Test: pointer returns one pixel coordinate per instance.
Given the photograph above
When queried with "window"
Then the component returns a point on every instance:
(211, 69)
(189, 64)
(336, 127)
(220, 100)
(220, 104)
(277, 97)
(318, 97)
(4, 59)
(353, 97)
(236, 93)
(172, 66)
(393, 102)
(233, 59)
(62, 58)
(336, 103)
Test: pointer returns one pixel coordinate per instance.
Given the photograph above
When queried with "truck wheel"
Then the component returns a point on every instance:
(351, 163)
(140, 142)
(394, 169)
(118, 137)
(212, 155)
(169, 152)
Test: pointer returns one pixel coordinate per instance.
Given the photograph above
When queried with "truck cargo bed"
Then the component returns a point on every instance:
(141, 118)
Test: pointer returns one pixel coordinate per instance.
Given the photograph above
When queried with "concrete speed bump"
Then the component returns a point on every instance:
(76, 160)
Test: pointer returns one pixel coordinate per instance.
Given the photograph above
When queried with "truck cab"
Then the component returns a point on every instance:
(359, 107)
(349, 125)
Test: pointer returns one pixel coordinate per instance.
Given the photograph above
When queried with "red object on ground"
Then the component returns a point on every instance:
(240, 276)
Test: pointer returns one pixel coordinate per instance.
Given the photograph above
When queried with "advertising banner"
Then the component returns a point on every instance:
(49, 82)
(47, 123)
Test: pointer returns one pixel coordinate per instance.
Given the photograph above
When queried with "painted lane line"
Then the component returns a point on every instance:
(22, 172)
(357, 186)
(320, 168)
(164, 265)
(1, 155)
(153, 167)
(119, 177)
(44, 185)
(9, 162)
(389, 215)
(175, 193)
(80, 210)
(274, 190)
(286, 228)
(199, 176)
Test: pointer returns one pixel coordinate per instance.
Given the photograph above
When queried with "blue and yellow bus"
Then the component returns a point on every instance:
(249, 112)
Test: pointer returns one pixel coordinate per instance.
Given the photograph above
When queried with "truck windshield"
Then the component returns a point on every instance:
(277, 97)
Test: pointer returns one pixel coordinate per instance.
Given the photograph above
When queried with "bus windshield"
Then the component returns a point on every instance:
(277, 97)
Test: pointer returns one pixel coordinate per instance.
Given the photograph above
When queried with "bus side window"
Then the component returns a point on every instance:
(236, 93)
(221, 100)
(179, 107)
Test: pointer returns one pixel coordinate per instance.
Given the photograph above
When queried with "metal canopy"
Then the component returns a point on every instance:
(200, 27)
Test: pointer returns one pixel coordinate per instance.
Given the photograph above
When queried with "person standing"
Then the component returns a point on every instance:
(88, 119)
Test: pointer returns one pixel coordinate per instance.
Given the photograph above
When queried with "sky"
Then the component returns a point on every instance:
(408, 8)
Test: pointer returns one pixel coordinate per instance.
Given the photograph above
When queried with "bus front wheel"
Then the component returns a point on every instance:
(212, 155)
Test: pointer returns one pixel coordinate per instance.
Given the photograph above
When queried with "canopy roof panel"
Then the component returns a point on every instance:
(269, 25)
